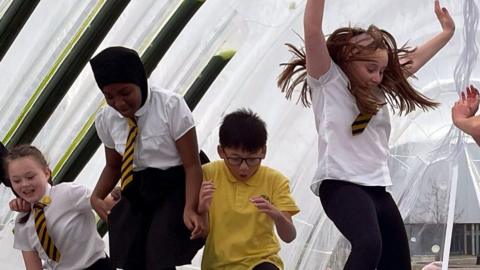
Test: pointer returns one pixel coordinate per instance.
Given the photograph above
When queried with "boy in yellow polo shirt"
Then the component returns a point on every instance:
(244, 200)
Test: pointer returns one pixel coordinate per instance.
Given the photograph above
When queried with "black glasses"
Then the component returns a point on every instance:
(237, 161)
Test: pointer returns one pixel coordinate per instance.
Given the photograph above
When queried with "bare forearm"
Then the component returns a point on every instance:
(426, 51)
(193, 178)
(107, 181)
(313, 17)
(285, 228)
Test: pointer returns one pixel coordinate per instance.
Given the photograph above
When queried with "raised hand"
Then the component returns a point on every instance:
(264, 206)
(205, 197)
(471, 96)
(444, 18)
(460, 111)
(19, 205)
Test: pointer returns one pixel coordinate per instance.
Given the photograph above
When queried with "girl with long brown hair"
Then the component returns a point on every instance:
(349, 79)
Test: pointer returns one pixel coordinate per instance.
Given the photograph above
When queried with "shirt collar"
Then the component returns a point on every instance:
(145, 106)
(46, 197)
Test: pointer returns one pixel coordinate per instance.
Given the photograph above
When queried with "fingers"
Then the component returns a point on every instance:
(19, 205)
(100, 207)
(437, 6)
(208, 185)
(196, 232)
(116, 193)
(207, 190)
(475, 90)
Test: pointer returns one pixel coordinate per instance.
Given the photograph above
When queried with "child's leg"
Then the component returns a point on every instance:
(168, 242)
(395, 250)
(265, 266)
(353, 211)
(137, 254)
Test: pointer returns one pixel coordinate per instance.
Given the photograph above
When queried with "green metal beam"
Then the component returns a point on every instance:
(200, 86)
(170, 31)
(58, 85)
(13, 21)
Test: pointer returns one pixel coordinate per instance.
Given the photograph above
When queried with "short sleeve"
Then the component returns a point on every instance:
(282, 198)
(332, 73)
(78, 196)
(102, 130)
(180, 118)
(21, 236)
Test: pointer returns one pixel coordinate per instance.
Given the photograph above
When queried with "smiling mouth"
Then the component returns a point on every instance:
(28, 192)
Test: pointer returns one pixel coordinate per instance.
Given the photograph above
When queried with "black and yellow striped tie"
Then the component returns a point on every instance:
(41, 228)
(127, 161)
(360, 123)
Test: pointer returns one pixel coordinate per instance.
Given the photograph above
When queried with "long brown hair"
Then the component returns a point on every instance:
(21, 151)
(395, 87)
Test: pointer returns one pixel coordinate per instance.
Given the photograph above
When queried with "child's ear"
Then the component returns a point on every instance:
(48, 172)
(264, 151)
(220, 151)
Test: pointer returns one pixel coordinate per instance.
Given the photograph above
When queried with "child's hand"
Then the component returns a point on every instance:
(100, 206)
(471, 98)
(116, 193)
(265, 207)
(444, 18)
(19, 205)
(460, 111)
(205, 197)
(113, 198)
(195, 223)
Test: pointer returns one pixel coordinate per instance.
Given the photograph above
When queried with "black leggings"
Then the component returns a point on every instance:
(369, 218)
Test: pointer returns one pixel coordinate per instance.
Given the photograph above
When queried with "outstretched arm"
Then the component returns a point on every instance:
(318, 59)
(426, 51)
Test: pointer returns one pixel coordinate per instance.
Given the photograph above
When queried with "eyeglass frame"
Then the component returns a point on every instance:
(242, 159)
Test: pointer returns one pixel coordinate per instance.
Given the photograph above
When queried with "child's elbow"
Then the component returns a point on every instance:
(290, 237)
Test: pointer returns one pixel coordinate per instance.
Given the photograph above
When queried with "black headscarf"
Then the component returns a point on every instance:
(120, 65)
(3, 175)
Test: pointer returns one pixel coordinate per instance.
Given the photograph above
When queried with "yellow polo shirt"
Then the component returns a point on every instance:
(240, 235)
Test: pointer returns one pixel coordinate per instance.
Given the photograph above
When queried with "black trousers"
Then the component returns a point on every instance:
(101, 264)
(146, 228)
(369, 218)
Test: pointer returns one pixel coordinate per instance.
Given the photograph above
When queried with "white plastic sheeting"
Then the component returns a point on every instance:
(426, 153)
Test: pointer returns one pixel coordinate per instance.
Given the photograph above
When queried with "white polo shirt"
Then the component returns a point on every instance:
(360, 159)
(71, 225)
(163, 119)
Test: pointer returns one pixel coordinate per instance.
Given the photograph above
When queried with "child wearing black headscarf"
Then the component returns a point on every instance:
(151, 147)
